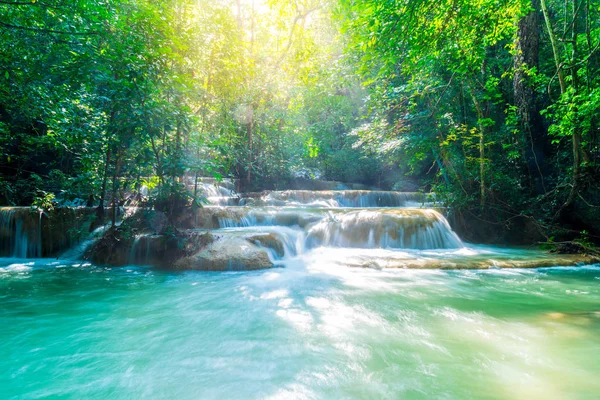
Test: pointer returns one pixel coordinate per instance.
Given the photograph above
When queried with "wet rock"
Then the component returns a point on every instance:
(227, 253)
(268, 240)
(118, 247)
(433, 263)
(111, 249)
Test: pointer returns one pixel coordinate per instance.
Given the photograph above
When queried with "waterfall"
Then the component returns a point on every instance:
(333, 218)
(285, 223)
(21, 232)
(220, 193)
(27, 232)
(79, 250)
(140, 252)
(134, 250)
(336, 198)
(394, 228)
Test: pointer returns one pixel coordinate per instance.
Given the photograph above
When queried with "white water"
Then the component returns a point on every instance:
(77, 251)
(338, 198)
(21, 232)
(221, 193)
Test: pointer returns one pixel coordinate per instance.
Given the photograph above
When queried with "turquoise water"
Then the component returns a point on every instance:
(311, 330)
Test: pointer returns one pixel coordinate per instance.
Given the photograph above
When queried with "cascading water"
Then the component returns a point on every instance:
(27, 232)
(20, 232)
(395, 228)
(140, 250)
(329, 218)
(361, 219)
(79, 250)
(359, 228)
(354, 227)
(221, 193)
(338, 198)
(392, 228)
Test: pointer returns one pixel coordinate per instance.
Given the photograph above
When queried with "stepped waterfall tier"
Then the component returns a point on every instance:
(330, 294)
(337, 198)
(264, 230)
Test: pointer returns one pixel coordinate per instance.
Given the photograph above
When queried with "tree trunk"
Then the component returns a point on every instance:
(100, 209)
(559, 72)
(480, 117)
(525, 58)
(115, 186)
(159, 167)
(179, 148)
(250, 158)
(576, 139)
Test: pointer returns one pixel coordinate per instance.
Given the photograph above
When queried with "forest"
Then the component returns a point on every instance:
(493, 105)
(300, 199)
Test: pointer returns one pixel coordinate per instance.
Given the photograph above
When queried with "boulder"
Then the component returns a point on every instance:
(268, 240)
(226, 253)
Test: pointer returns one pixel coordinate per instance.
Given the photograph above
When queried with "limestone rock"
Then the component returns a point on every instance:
(268, 240)
(227, 253)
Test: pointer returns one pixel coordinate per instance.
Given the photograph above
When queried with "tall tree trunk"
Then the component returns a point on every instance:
(480, 118)
(159, 166)
(250, 158)
(115, 186)
(481, 166)
(559, 71)
(576, 138)
(100, 209)
(525, 58)
(179, 149)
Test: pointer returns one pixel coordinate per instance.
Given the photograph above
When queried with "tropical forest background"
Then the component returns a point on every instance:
(493, 105)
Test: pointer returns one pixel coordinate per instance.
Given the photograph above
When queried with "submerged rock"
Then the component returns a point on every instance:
(490, 261)
(227, 253)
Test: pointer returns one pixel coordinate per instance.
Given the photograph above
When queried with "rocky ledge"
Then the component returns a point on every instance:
(188, 250)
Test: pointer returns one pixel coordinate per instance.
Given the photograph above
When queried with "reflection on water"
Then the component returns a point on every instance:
(313, 329)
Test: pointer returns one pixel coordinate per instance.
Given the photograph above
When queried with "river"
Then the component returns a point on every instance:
(367, 299)
(308, 329)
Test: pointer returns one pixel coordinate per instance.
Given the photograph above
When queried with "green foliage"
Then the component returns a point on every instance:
(171, 198)
(444, 101)
(584, 239)
(44, 201)
(124, 102)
